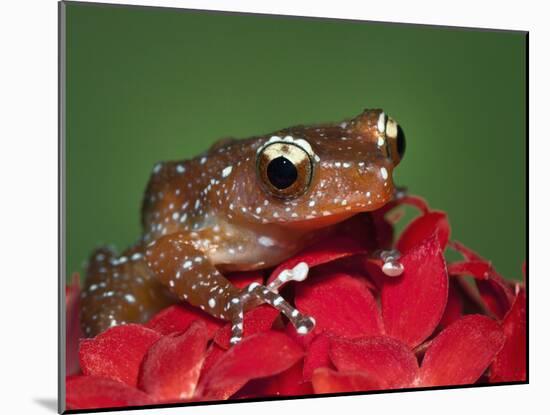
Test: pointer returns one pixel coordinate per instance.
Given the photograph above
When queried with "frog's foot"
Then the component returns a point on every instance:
(298, 273)
(257, 293)
(399, 192)
(391, 267)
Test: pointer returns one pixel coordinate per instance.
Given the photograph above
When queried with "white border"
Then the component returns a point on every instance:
(28, 172)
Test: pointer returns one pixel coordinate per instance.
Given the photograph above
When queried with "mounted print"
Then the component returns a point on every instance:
(260, 207)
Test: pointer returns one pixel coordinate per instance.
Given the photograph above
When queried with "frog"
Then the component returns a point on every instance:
(244, 205)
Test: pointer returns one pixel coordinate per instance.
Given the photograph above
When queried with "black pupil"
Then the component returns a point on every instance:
(281, 172)
(400, 141)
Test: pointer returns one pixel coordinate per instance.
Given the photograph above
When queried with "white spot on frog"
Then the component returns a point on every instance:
(227, 171)
(130, 298)
(266, 241)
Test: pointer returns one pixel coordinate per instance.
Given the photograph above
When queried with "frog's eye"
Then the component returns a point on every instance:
(401, 143)
(285, 169)
(395, 133)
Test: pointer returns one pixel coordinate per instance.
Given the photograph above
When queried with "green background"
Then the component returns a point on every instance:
(146, 84)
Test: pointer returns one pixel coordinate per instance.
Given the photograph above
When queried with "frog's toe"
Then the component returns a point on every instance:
(261, 293)
(298, 273)
(392, 267)
(305, 324)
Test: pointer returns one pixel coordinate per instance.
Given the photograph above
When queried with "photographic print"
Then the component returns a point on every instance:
(262, 207)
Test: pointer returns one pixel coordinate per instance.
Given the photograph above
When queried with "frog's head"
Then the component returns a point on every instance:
(315, 176)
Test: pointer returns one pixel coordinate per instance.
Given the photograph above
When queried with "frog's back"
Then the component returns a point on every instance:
(186, 195)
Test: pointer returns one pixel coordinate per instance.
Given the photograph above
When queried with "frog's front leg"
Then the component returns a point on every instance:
(189, 274)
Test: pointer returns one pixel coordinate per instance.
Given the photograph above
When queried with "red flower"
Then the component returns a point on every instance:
(72, 296)
(427, 327)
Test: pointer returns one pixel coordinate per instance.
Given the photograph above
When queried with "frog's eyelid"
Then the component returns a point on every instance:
(299, 142)
(391, 128)
(387, 125)
(382, 121)
(391, 132)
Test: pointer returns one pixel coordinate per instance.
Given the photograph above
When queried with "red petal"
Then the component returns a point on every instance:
(472, 301)
(466, 252)
(384, 232)
(321, 253)
(460, 354)
(511, 362)
(178, 318)
(356, 266)
(171, 368)
(326, 380)
(478, 269)
(213, 354)
(117, 353)
(261, 355)
(387, 360)
(72, 290)
(244, 279)
(373, 268)
(497, 295)
(291, 382)
(88, 392)
(422, 228)
(453, 310)
(372, 231)
(287, 383)
(341, 305)
(493, 289)
(303, 340)
(256, 320)
(411, 200)
(413, 303)
(72, 301)
(317, 355)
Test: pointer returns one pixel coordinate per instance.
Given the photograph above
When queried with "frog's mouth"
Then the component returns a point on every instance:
(319, 222)
(334, 214)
